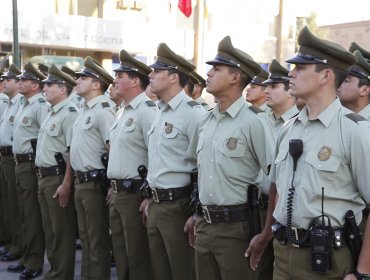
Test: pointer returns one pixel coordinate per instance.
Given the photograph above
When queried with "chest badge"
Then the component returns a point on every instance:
(11, 119)
(232, 143)
(168, 128)
(324, 153)
(52, 127)
(88, 119)
(25, 120)
(129, 122)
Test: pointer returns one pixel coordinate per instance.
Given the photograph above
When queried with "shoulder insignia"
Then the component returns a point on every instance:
(355, 117)
(150, 103)
(72, 109)
(255, 109)
(105, 104)
(193, 103)
(5, 101)
(42, 100)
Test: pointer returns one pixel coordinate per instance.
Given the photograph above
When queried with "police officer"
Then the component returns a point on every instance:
(353, 46)
(10, 88)
(89, 142)
(128, 151)
(355, 90)
(255, 92)
(277, 95)
(328, 170)
(194, 88)
(55, 178)
(230, 155)
(26, 128)
(74, 97)
(172, 146)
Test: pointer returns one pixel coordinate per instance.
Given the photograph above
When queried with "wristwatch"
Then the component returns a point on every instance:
(361, 276)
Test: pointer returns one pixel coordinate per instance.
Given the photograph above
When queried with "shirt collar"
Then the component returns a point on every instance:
(137, 100)
(325, 117)
(293, 111)
(94, 101)
(60, 105)
(233, 110)
(174, 102)
(34, 98)
(16, 98)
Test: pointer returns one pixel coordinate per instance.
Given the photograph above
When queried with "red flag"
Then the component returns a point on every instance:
(185, 7)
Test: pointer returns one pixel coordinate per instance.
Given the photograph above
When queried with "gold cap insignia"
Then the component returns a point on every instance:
(129, 122)
(324, 153)
(168, 128)
(232, 143)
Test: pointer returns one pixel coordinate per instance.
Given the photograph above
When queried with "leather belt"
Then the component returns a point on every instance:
(127, 185)
(21, 158)
(6, 150)
(90, 176)
(300, 234)
(48, 171)
(225, 214)
(160, 195)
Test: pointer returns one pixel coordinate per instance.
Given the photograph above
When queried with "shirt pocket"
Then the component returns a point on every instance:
(129, 128)
(330, 165)
(53, 129)
(170, 131)
(27, 121)
(87, 126)
(234, 147)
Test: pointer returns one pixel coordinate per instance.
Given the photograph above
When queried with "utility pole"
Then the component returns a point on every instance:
(16, 53)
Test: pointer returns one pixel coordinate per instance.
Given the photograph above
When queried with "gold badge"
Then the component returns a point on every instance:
(232, 143)
(87, 120)
(168, 128)
(11, 119)
(25, 120)
(129, 122)
(52, 127)
(324, 153)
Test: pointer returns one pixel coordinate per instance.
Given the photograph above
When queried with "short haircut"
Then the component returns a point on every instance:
(144, 80)
(340, 75)
(244, 78)
(103, 86)
(183, 78)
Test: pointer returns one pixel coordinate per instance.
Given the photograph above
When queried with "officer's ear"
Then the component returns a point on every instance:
(364, 90)
(326, 75)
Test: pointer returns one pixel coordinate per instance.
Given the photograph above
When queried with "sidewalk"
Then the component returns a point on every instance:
(5, 275)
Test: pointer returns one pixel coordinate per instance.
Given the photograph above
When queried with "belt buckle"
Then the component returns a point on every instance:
(39, 173)
(113, 184)
(295, 230)
(206, 214)
(154, 194)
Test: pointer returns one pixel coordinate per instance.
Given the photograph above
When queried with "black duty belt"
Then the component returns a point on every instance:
(48, 171)
(225, 214)
(160, 195)
(127, 185)
(90, 176)
(6, 150)
(300, 234)
(21, 158)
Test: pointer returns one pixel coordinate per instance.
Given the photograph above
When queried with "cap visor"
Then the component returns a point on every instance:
(218, 61)
(159, 66)
(300, 60)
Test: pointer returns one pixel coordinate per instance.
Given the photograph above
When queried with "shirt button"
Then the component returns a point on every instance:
(210, 194)
(210, 177)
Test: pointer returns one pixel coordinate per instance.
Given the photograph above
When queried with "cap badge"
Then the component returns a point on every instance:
(168, 128)
(129, 122)
(232, 143)
(324, 153)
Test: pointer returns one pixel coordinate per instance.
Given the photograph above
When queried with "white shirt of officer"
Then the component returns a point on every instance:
(28, 122)
(90, 133)
(7, 120)
(279, 122)
(172, 142)
(365, 112)
(129, 138)
(4, 99)
(56, 133)
(231, 151)
(333, 158)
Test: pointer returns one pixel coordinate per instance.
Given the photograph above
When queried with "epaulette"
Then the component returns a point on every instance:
(5, 101)
(150, 103)
(105, 104)
(193, 103)
(79, 98)
(355, 117)
(72, 109)
(42, 100)
(255, 109)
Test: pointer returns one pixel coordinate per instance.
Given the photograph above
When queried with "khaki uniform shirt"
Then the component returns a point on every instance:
(28, 122)
(334, 149)
(129, 138)
(90, 133)
(266, 108)
(231, 151)
(365, 112)
(56, 133)
(7, 120)
(4, 99)
(173, 139)
(203, 102)
(279, 122)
